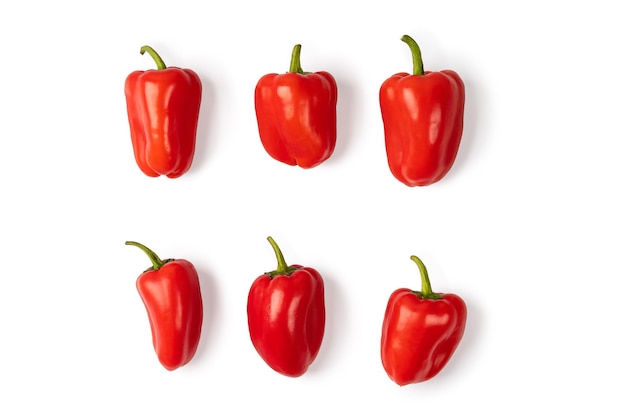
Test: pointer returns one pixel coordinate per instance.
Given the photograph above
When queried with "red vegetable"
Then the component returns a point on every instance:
(286, 316)
(421, 331)
(423, 120)
(170, 291)
(296, 114)
(163, 108)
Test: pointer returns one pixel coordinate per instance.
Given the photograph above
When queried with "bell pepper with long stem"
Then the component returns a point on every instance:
(170, 291)
(421, 330)
(163, 108)
(286, 316)
(297, 114)
(422, 115)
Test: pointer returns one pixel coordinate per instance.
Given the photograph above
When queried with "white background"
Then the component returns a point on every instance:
(527, 227)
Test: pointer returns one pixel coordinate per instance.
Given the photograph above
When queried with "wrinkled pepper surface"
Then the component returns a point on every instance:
(297, 114)
(286, 316)
(421, 330)
(422, 115)
(170, 291)
(163, 109)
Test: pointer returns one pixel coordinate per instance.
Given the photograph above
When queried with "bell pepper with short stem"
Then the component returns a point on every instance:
(163, 108)
(422, 115)
(421, 330)
(170, 291)
(286, 316)
(297, 114)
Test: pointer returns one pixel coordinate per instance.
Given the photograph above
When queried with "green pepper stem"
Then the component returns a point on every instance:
(418, 65)
(295, 65)
(157, 59)
(156, 261)
(283, 268)
(427, 291)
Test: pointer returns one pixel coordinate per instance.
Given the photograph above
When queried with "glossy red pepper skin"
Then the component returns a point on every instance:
(163, 108)
(170, 291)
(286, 316)
(422, 115)
(421, 331)
(297, 115)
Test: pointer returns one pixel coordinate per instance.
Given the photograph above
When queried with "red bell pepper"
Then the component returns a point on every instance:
(421, 331)
(297, 114)
(163, 109)
(170, 291)
(423, 120)
(286, 316)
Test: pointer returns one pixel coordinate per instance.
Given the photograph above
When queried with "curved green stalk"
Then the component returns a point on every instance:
(283, 268)
(157, 59)
(418, 65)
(295, 65)
(427, 291)
(156, 261)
